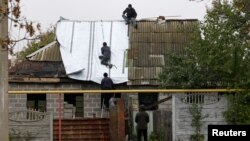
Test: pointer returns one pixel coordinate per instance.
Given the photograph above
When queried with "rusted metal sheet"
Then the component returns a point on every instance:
(140, 73)
(156, 60)
(95, 129)
(150, 46)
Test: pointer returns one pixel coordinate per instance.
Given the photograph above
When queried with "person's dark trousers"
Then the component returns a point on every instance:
(141, 132)
(105, 98)
(130, 20)
(104, 60)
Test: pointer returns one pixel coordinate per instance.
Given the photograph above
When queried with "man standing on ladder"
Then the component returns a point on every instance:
(106, 55)
(129, 15)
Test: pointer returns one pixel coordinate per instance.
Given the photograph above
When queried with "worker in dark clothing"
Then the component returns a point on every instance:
(142, 119)
(106, 84)
(129, 15)
(106, 54)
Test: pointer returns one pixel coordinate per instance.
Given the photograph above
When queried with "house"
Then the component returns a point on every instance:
(149, 48)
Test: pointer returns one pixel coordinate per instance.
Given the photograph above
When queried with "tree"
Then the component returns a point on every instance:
(45, 38)
(218, 56)
(9, 10)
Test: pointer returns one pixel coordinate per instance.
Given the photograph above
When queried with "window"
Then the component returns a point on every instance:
(77, 101)
(201, 98)
(36, 101)
(195, 98)
(148, 99)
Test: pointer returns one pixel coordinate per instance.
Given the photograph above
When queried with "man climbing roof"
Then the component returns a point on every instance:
(106, 55)
(129, 15)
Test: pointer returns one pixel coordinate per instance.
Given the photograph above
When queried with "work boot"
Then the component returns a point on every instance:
(110, 66)
(136, 26)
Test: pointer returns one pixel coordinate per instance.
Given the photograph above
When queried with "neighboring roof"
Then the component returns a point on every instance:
(150, 46)
(40, 69)
(49, 52)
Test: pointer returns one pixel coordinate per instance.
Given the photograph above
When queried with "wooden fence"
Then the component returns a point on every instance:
(162, 121)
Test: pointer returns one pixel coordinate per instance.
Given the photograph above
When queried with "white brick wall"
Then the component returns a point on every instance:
(182, 128)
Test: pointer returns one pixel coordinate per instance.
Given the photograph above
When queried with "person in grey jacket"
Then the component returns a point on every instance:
(142, 120)
(106, 55)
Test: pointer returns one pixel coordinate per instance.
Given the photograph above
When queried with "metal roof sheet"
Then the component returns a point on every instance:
(49, 52)
(150, 46)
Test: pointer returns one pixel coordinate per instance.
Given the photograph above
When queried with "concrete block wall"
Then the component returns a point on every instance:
(17, 101)
(92, 105)
(92, 102)
(214, 106)
(53, 104)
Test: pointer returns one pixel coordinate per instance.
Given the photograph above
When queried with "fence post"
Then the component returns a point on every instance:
(60, 117)
(51, 125)
(121, 120)
(117, 122)
(173, 116)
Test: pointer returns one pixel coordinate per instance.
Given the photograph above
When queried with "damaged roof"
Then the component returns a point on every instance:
(49, 52)
(149, 48)
(38, 69)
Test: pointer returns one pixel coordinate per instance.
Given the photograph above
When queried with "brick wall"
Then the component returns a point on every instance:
(17, 101)
(52, 104)
(92, 105)
(92, 102)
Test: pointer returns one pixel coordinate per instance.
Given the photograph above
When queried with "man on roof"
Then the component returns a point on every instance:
(106, 55)
(129, 15)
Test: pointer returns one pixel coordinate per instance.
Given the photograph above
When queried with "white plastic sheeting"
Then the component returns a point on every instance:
(80, 47)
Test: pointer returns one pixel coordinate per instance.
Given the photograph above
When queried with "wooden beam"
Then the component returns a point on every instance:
(37, 80)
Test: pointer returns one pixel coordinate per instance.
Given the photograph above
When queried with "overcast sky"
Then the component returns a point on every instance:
(47, 12)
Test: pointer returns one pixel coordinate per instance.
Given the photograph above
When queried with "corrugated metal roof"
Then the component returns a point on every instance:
(38, 69)
(49, 52)
(150, 46)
